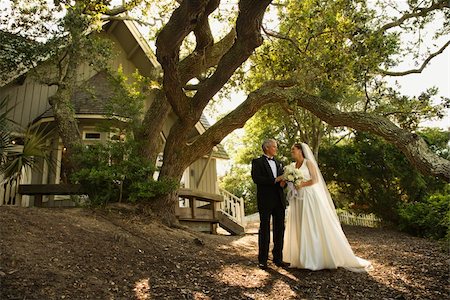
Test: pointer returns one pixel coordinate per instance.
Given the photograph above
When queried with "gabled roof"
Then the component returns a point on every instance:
(221, 152)
(137, 48)
(91, 98)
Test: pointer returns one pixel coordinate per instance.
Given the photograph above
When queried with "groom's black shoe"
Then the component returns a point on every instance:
(281, 264)
(263, 266)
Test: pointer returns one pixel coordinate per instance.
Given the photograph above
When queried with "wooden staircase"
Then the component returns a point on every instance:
(202, 211)
(229, 224)
(231, 213)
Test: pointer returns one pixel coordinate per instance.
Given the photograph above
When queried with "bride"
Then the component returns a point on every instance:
(314, 238)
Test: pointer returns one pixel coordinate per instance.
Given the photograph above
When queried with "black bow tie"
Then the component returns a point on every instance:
(270, 158)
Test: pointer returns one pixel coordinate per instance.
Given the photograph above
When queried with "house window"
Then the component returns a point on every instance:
(92, 135)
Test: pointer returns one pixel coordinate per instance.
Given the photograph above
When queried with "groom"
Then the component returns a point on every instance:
(266, 173)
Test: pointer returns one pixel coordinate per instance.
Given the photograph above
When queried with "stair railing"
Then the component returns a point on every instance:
(232, 206)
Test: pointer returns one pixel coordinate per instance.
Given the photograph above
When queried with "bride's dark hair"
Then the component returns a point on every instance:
(299, 147)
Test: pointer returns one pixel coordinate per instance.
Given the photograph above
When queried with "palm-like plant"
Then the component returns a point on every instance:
(5, 130)
(34, 147)
(15, 158)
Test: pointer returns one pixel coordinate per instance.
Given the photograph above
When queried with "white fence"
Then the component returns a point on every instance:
(232, 206)
(8, 191)
(344, 217)
(364, 220)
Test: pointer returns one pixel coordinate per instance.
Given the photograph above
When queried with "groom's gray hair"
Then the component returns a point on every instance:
(267, 143)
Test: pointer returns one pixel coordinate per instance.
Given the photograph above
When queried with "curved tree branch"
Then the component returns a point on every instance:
(416, 13)
(422, 67)
(248, 31)
(282, 37)
(183, 20)
(410, 144)
(198, 62)
(202, 30)
(238, 117)
(126, 18)
(117, 10)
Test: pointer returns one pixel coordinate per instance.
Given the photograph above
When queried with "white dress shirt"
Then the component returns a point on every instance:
(273, 166)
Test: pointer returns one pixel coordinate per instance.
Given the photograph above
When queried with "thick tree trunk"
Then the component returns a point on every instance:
(65, 118)
(67, 125)
(164, 207)
(174, 163)
(192, 16)
(152, 126)
(63, 110)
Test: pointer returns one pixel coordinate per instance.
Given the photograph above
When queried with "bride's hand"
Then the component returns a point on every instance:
(299, 186)
(279, 178)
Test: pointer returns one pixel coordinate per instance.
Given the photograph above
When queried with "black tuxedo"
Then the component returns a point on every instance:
(271, 203)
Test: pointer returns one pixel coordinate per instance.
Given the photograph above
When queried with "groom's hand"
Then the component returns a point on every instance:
(283, 183)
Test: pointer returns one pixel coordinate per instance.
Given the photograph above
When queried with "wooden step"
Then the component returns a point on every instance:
(199, 220)
(229, 225)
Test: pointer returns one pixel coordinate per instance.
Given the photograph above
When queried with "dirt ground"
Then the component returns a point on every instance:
(118, 254)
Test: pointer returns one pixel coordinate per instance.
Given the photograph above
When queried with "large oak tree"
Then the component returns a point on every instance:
(212, 63)
(180, 151)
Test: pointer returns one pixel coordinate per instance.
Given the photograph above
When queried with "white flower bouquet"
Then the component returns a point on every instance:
(292, 174)
(294, 177)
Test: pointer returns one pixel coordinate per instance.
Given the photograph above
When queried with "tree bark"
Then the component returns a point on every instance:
(198, 62)
(248, 38)
(63, 110)
(65, 118)
(191, 16)
(174, 164)
(152, 126)
(186, 18)
(164, 209)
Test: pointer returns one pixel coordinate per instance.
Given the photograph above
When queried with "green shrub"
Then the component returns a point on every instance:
(115, 172)
(430, 218)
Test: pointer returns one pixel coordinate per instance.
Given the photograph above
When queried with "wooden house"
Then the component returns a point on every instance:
(202, 203)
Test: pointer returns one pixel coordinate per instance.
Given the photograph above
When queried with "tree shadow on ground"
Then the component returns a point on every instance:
(77, 254)
(241, 279)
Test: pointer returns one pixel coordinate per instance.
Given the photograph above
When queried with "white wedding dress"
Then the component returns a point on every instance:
(314, 238)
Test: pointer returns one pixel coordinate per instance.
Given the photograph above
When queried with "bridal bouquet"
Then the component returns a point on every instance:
(294, 177)
(292, 174)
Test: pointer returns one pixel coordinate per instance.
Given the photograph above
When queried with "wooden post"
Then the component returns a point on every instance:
(192, 205)
(242, 212)
(214, 210)
(38, 200)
